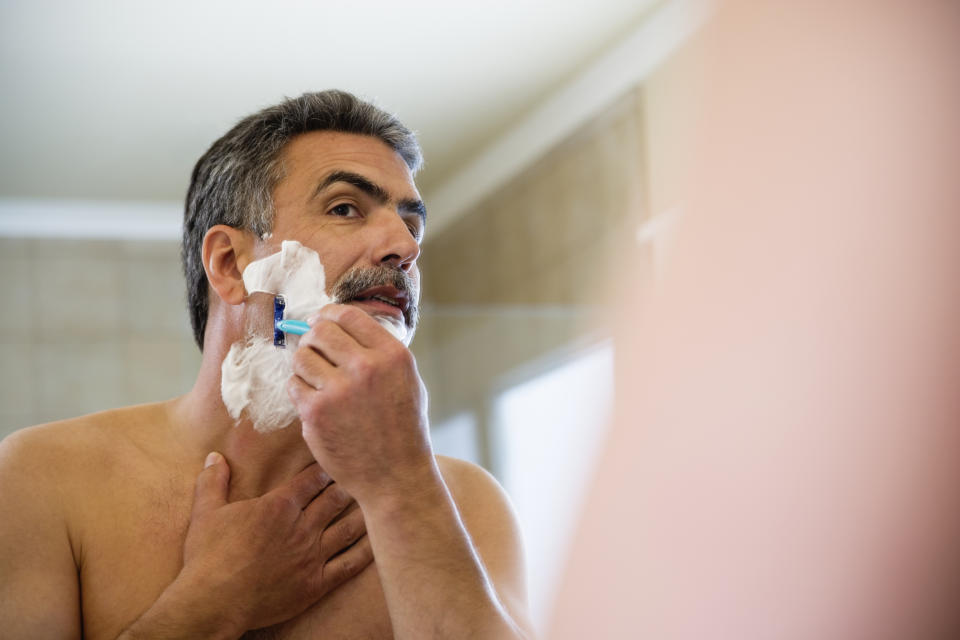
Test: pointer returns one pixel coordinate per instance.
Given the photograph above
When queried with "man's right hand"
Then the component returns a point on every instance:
(257, 562)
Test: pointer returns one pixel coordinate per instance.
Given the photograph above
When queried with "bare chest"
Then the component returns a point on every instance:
(130, 551)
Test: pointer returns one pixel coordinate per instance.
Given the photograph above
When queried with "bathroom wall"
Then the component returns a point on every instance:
(523, 277)
(86, 325)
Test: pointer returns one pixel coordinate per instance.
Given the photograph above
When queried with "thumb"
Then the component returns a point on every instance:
(212, 484)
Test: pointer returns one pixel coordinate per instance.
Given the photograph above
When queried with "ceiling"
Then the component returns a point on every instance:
(115, 100)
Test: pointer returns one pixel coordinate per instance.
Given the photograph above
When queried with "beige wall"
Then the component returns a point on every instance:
(523, 276)
(86, 325)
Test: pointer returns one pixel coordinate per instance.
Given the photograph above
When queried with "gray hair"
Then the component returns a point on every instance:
(233, 182)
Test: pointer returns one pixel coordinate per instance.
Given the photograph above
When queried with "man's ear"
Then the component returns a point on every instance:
(226, 252)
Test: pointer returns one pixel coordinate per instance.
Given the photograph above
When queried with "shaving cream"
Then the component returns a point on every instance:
(254, 374)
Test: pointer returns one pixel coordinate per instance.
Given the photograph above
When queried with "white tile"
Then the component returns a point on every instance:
(45, 249)
(17, 297)
(78, 298)
(154, 370)
(79, 378)
(155, 249)
(154, 297)
(18, 377)
(16, 248)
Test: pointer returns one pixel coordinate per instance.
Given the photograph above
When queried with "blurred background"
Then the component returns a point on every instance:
(554, 133)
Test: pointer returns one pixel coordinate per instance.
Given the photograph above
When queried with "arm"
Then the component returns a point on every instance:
(439, 582)
(362, 405)
(39, 590)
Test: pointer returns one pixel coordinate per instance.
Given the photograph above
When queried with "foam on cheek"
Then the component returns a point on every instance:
(253, 382)
(294, 272)
(254, 375)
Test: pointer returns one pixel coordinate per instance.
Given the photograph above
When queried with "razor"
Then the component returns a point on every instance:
(281, 326)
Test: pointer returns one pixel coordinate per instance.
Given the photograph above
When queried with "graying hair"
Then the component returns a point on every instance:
(233, 182)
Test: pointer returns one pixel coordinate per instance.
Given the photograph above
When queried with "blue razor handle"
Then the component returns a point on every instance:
(279, 304)
(298, 327)
(281, 326)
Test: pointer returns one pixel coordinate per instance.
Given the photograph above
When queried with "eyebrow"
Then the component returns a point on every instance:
(375, 191)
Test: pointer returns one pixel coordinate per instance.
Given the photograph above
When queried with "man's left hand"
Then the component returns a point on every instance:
(362, 404)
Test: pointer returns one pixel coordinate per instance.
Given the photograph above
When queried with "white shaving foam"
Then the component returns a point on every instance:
(254, 374)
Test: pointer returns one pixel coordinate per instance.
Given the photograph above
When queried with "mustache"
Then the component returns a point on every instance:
(360, 279)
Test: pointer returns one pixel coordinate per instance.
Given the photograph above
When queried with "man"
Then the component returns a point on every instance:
(173, 520)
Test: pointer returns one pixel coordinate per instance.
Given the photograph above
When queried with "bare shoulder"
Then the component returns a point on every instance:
(43, 452)
(68, 445)
(483, 504)
(59, 459)
(489, 517)
(44, 484)
(471, 485)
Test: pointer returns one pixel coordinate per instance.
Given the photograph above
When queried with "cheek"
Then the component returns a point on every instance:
(414, 274)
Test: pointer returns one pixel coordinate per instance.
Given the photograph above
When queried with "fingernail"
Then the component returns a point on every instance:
(312, 320)
(212, 458)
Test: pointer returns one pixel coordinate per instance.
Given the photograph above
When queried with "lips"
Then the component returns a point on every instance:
(384, 299)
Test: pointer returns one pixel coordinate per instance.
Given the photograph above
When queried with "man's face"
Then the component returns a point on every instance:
(352, 199)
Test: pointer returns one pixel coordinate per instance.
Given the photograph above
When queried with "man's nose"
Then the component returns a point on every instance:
(395, 244)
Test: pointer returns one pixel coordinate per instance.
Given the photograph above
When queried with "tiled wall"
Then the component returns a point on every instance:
(87, 325)
(526, 273)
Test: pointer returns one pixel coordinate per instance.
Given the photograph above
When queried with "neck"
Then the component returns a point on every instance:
(258, 461)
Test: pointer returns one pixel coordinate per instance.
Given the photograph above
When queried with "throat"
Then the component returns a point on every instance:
(259, 462)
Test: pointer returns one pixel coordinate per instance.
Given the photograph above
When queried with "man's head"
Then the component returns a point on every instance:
(234, 182)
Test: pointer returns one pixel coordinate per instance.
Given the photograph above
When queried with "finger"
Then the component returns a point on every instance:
(312, 366)
(361, 326)
(212, 485)
(301, 392)
(331, 341)
(327, 506)
(304, 487)
(342, 533)
(346, 565)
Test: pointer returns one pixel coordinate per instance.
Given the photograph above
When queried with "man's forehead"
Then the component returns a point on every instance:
(318, 162)
(317, 154)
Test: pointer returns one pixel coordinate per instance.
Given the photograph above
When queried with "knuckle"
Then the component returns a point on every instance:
(364, 367)
(310, 412)
(322, 477)
(346, 529)
(278, 505)
(335, 392)
(347, 313)
(323, 329)
(300, 358)
(331, 494)
(340, 497)
(347, 568)
(398, 355)
(311, 406)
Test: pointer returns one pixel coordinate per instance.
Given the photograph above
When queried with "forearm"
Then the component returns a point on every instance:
(434, 581)
(178, 613)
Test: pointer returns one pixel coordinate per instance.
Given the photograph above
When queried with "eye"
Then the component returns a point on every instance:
(345, 210)
(414, 226)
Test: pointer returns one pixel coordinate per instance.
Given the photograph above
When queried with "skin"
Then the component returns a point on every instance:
(280, 528)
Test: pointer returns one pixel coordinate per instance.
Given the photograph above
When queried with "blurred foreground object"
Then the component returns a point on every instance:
(785, 457)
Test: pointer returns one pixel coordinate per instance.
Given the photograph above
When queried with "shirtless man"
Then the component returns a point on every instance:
(173, 520)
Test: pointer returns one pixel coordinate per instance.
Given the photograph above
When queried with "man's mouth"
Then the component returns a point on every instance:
(387, 300)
